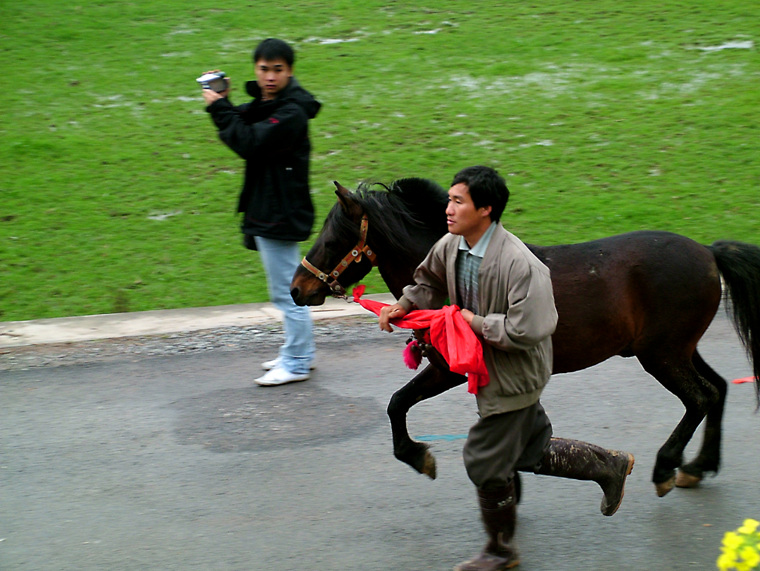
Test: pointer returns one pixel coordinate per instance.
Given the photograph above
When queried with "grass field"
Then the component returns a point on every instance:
(604, 116)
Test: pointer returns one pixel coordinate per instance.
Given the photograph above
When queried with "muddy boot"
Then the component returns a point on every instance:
(497, 508)
(583, 461)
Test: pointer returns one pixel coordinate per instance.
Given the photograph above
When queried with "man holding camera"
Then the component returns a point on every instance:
(271, 134)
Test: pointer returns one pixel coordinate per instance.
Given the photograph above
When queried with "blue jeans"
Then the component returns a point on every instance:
(281, 258)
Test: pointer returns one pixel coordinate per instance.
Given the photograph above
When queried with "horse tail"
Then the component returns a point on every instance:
(739, 264)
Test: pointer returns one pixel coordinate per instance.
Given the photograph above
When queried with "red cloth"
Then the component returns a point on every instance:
(744, 380)
(450, 334)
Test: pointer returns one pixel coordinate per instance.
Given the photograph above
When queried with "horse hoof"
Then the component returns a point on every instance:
(428, 467)
(684, 480)
(664, 487)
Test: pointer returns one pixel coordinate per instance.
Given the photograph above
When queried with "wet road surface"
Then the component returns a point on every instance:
(117, 457)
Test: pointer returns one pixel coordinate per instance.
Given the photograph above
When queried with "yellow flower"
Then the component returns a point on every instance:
(740, 550)
(750, 525)
(750, 556)
(732, 540)
(726, 561)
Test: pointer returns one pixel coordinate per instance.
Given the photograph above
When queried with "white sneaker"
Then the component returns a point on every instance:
(279, 376)
(274, 363)
(269, 365)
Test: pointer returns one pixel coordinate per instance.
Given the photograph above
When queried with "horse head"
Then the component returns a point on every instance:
(340, 256)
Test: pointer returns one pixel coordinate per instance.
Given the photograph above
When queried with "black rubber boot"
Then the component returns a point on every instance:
(499, 513)
(583, 461)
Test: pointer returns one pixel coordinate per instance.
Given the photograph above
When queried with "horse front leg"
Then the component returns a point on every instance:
(431, 382)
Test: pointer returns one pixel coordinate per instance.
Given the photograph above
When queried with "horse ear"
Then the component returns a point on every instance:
(340, 190)
(346, 202)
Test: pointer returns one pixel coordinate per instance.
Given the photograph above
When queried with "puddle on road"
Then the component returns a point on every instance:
(257, 418)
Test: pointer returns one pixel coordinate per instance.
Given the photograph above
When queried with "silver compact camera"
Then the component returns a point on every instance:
(215, 81)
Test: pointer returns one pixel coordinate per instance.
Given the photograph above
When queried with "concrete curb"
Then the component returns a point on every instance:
(114, 325)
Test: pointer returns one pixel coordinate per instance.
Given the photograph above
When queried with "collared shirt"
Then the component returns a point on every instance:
(468, 265)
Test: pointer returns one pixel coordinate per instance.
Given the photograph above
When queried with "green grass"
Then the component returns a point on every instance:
(605, 117)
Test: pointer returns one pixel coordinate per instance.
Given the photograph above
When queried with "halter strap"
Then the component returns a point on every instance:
(355, 255)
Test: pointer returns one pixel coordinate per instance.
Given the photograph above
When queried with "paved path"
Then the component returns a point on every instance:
(115, 325)
(178, 461)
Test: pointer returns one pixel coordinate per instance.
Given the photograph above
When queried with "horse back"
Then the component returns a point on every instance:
(628, 295)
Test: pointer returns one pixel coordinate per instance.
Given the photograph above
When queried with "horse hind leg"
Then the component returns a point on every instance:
(708, 458)
(699, 396)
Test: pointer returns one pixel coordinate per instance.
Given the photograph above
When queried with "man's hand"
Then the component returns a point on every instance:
(210, 96)
(389, 312)
(467, 315)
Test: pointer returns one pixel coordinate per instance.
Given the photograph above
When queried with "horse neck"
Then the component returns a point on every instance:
(397, 268)
(396, 277)
(397, 263)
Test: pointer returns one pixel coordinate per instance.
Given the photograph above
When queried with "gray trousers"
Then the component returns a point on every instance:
(500, 444)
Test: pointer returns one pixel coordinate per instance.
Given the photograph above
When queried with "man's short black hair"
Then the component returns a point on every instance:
(487, 188)
(272, 48)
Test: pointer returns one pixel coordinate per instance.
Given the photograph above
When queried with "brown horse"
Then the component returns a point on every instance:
(649, 295)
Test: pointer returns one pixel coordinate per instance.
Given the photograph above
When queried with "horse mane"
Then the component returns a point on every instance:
(426, 200)
(406, 217)
(407, 211)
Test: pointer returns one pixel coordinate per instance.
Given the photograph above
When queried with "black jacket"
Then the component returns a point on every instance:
(273, 138)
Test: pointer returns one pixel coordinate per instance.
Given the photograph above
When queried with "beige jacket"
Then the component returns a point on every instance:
(516, 315)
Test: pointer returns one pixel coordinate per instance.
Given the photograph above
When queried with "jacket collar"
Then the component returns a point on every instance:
(479, 249)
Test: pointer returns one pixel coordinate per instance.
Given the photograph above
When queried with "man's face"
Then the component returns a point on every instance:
(272, 76)
(461, 215)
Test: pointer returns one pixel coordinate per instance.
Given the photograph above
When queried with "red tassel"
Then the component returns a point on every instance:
(412, 355)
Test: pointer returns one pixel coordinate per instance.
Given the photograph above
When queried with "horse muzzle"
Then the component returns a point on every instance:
(303, 291)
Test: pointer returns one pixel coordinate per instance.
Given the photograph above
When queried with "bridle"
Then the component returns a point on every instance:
(355, 255)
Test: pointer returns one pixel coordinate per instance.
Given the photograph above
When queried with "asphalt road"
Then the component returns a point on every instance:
(113, 457)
